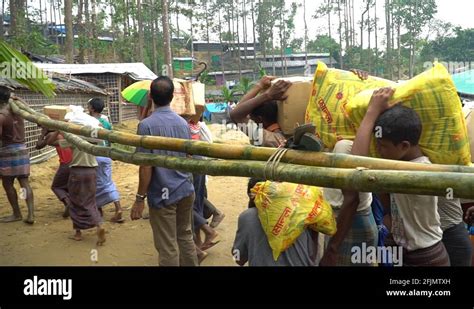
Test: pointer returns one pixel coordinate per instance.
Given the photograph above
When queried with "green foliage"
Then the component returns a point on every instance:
(227, 95)
(324, 44)
(244, 85)
(459, 47)
(206, 79)
(37, 81)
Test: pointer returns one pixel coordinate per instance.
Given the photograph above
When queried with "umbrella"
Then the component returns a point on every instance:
(137, 93)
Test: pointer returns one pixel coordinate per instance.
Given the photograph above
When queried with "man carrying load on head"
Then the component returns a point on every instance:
(257, 113)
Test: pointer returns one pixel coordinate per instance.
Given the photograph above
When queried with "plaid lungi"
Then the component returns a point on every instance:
(14, 161)
(363, 230)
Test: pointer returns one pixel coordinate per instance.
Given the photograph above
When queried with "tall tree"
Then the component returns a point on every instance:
(82, 32)
(141, 36)
(93, 32)
(237, 17)
(388, 29)
(341, 62)
(254, 39)
(166, 38)
(69, 31)
(2, 30)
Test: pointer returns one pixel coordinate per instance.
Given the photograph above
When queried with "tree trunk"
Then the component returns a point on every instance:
(239, 61)
(53, 19)
(208, 39)
(177, 17)
(154, 33)
(166, 38)
(40, 11)
(341, 64)
(126, 26)
(399, 47)
(254, 40)
(376, 39)
(192, 37)
(87, 29)
(329, 30)
(81, 32)
(222, 46)
(389, 40)
(307, 68)
(14, 30)
(2, 30)
(353, 23)
(141, 35)
(69, 31)
(244, 28)
(369, 55)
(93, 32)
(281, 40)
(237, 18)
(346, 24)
(59, 12)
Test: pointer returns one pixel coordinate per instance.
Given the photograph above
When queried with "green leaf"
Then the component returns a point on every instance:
(24, 71)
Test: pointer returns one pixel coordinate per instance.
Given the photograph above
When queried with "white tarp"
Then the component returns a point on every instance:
(137, 71)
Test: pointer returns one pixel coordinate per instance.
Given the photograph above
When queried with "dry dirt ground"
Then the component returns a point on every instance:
(46, 243)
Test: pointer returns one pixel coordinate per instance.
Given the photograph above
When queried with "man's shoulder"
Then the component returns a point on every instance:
(249, 215)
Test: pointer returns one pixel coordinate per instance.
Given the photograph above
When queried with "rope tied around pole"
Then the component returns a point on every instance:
(273, 162)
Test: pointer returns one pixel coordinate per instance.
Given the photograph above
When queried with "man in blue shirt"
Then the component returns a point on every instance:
(170, 193)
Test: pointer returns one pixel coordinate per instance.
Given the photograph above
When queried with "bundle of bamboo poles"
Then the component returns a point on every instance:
(375, 176)
(234, 152)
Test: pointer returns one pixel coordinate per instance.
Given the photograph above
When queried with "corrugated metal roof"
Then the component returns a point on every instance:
(137, 71)
(62, 85)
(229, 72)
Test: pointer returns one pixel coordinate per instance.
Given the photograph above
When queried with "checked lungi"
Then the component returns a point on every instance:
(14, 161)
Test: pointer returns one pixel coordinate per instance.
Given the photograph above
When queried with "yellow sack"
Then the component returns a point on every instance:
(433, 96)
(286, 209)
(327, 105)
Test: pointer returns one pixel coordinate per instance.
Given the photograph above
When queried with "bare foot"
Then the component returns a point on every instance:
(12, 218)
(216, 220)
(117, 218)
(30, 220)
(100, 236)
(77, 236)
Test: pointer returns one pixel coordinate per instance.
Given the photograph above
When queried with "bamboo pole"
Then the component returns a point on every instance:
(233, 152)
(407, 182)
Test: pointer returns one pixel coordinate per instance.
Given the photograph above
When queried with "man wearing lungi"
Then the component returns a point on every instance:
(106, 189)
(14, 160)
(82, 189)
(59, 185)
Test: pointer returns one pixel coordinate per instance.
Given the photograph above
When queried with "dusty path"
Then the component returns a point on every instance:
(128, 244)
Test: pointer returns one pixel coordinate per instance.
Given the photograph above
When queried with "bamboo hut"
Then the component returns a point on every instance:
(112, 77)
(69, 92)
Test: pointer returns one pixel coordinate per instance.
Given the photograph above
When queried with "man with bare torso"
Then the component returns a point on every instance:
(14, 160)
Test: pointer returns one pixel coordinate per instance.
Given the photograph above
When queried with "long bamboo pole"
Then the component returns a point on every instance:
(232, 152)
(407, 182)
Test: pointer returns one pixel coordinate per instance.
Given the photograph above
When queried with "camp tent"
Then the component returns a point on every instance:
(465, 82)
(216, 112)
